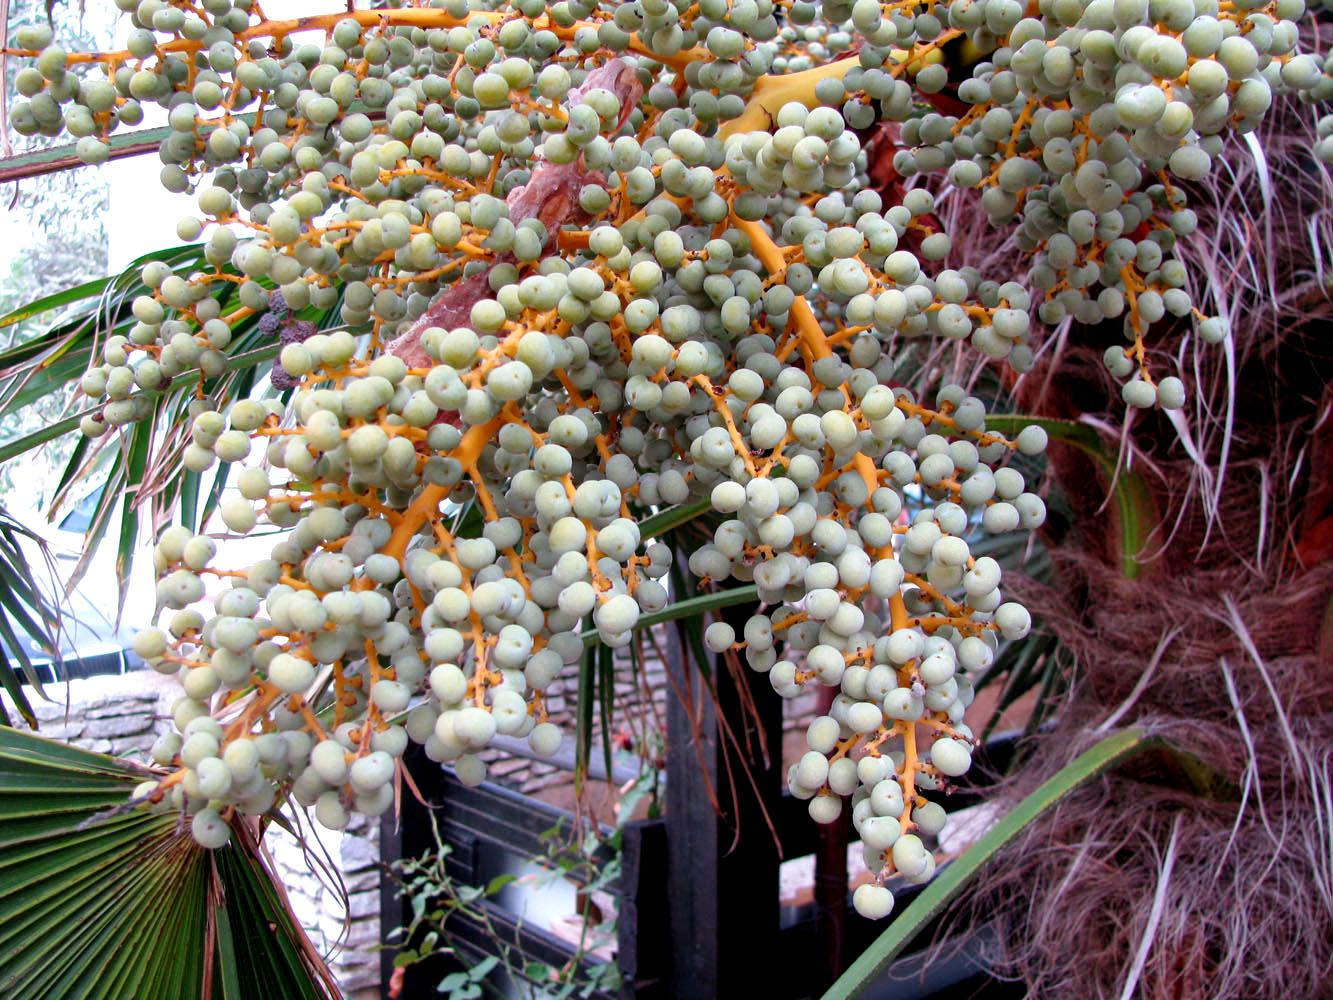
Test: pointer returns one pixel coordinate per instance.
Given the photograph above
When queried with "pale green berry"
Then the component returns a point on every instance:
(951, 757)
(874, 902)
(545, 739)
(209, 829)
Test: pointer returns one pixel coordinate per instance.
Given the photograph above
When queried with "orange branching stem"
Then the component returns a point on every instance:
(814, 345)
(772, 92)
(898, 619)
(1133, 287)
(426, 505)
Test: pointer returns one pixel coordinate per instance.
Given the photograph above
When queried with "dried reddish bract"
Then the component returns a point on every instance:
(551, 195)
(618, 77)
(451, 308)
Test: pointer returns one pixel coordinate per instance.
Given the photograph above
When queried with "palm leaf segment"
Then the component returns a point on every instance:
(102, 902)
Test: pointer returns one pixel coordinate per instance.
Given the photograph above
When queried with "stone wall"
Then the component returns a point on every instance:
(346, 932)
(118, 715)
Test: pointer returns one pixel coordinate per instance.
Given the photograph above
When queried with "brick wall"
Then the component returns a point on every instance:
(639, 703)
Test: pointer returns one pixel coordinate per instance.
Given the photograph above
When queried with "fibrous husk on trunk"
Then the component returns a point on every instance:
(1211, 878)
(1207, 872)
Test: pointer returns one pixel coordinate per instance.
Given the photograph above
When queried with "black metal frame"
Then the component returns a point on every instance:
(477, 824)
(699, 911)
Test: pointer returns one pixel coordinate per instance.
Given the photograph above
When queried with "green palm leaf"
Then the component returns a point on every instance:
(54, 158)
(955, 876)
(1136, 510)
(102, 902)
(30, 615)
(138, 466)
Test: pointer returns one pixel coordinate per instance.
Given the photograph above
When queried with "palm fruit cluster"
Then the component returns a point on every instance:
(585, 262)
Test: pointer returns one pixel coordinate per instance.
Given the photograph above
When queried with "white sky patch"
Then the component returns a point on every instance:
(142, 216)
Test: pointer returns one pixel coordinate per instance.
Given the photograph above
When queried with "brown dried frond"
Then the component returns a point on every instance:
(1229, 673)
